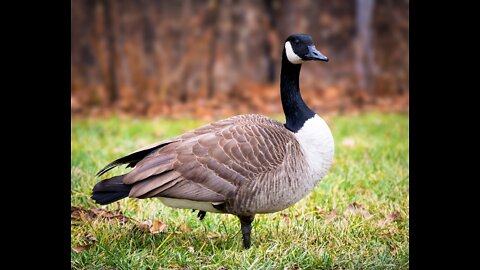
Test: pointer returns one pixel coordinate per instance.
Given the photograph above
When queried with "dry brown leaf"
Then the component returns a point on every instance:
(82, 248)
(320, 211)
(393, 216)
(348, 142)
(366, 214)
(383, 222)
(332, 215)
(91, 238)
(77, 213)
(154, 227)
(356, 208)
(144, 226)
(184, 227)
(212, 235)
(293, 267)
(157, 226)
(88, 237)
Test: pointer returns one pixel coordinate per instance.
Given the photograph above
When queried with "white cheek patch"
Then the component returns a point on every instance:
(292, 56)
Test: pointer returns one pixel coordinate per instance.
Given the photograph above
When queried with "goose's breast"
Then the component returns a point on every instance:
(305, 165)
(316, 141)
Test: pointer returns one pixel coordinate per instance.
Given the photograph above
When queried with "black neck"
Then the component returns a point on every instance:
(295, 109)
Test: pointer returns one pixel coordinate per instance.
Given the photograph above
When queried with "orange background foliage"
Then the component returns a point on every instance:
(219, 58)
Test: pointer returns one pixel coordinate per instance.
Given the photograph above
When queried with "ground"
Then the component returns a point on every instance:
(357, 217)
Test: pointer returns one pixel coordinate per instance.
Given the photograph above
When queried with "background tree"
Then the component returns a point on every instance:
(166, 57)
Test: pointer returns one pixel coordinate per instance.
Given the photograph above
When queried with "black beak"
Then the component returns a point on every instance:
(314, 54)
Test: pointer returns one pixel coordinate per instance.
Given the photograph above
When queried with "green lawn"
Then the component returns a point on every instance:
(356, 218)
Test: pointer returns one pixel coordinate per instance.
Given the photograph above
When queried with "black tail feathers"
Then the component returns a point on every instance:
(110, 190)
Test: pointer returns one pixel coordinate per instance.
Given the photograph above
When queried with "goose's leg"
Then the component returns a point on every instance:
(246, 222)
(201, 214)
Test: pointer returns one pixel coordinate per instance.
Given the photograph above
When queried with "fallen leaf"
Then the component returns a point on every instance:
(82, 248)
(332, 215)
(88, 237)
(356, 208)
(393, 216)
(348, 142)
(383, 222)
(184, 227)
(294, 267)
(144, 226)
(77, 213)
(157, 226)
(91, 238)
(320, 211)
(206, 260)
(366, 214)
(355, 205)
(99, 212)
(212, 235)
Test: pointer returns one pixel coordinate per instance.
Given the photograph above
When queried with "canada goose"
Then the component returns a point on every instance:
(243, 165)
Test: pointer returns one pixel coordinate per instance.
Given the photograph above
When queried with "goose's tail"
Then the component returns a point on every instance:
(110, 190)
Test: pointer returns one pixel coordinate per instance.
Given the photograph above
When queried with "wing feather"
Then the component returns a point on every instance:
(210, 163)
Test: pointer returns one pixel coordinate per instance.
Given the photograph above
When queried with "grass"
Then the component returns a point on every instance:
(370, 169)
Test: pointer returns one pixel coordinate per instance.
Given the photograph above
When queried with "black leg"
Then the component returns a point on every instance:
(201, 214)
(246, 222)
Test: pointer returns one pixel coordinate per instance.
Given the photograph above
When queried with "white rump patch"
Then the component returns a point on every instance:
(291, 55)
(317, 144)
(188, 204)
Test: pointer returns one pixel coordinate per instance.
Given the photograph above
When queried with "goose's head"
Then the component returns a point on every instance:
(300, 48)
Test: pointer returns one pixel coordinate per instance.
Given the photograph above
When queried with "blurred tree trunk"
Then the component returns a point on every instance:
(125, 81)
(186, 46)
(364, 50)
(109, 9)
(148, 42)
(212, 23)
(271, 46)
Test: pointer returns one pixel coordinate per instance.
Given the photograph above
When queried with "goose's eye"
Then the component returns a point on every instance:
(297, 41)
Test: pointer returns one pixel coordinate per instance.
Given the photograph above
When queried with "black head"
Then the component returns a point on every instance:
(300, 48)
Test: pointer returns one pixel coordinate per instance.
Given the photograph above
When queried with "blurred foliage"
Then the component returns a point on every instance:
(193, 57)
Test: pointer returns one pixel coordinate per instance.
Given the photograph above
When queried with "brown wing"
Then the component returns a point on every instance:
(211, 162)
(132, 159)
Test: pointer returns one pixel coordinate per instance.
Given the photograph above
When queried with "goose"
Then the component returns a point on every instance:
(243, 165)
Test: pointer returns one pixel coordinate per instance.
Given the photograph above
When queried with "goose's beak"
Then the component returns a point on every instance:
(314, 54)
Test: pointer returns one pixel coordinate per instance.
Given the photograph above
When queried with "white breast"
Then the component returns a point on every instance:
(318, 146)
